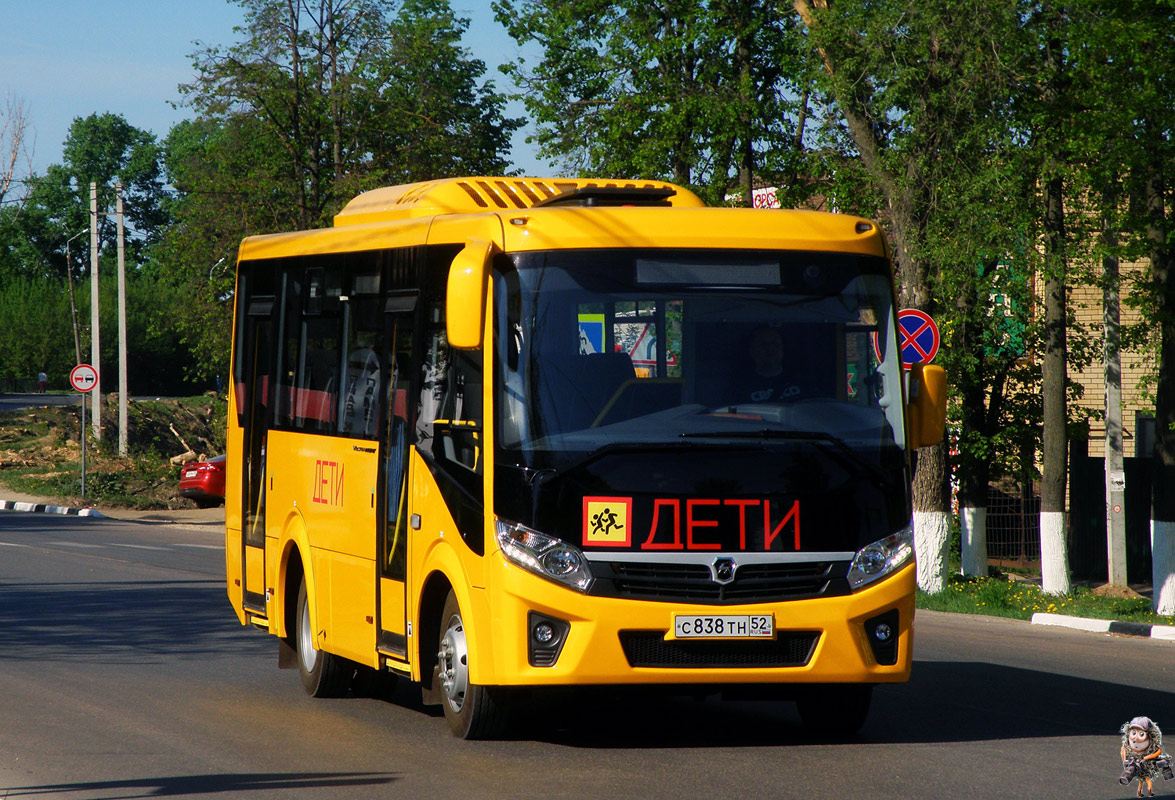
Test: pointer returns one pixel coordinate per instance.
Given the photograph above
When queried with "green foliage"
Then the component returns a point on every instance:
(1020, 599)
(35, 331)
(684, 91)
(315, 104)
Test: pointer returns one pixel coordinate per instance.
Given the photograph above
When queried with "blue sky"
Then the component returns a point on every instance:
(71, 58)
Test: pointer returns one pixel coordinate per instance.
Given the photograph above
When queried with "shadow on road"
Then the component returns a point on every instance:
(121, 622)
(179, 785)
(944, 702)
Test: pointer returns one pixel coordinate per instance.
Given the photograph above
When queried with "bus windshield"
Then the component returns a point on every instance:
(775, 371)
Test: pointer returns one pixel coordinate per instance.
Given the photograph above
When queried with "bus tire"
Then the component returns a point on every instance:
(472, 711)
(835, 712)
(323, 674)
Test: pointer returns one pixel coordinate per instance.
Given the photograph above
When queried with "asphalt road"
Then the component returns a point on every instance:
(12, 402)
(124, 674)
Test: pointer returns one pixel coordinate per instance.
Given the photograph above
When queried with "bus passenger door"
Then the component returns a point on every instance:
(258, 341)
(393, 523)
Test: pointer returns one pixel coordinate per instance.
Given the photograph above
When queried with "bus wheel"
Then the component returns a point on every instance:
(472, 711)
(323, 674)
(835, 712)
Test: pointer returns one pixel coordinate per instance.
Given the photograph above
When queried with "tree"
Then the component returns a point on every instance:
(708, 95)
(923, 92)
(1147, 147)
(321, 100)
(14, 144)
(351, 95)
(105, 149)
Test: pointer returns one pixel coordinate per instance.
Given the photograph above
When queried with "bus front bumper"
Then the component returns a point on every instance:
(609, 641)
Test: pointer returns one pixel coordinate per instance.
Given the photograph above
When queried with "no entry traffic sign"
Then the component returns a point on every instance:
(83, 377)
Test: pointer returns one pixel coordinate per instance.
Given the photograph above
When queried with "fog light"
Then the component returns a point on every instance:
(881, 633)
(547, 636)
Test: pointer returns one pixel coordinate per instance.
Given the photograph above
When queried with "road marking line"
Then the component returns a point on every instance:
(137, 546)
(77, 544)
(201, 546)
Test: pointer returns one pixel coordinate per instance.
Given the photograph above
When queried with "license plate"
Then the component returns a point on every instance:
(723, 626)
(190, 473)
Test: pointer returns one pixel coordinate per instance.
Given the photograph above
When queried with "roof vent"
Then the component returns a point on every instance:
(611, 196)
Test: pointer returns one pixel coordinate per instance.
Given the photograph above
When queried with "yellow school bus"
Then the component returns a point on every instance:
(495, 434)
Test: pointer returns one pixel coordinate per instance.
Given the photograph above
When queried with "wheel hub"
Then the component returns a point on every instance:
(453, 660)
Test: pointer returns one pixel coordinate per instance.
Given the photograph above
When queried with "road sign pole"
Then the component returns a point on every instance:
(84, 379)
(83, 445)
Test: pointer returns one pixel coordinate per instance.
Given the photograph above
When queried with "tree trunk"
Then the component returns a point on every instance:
(1054, 557)
(974, 468)
(931, 489)
(1163, 486)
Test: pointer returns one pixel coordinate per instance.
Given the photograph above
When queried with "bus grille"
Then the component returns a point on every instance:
(650, 649)
(753, 583)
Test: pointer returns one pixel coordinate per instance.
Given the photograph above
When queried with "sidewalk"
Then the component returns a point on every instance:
(16, 501)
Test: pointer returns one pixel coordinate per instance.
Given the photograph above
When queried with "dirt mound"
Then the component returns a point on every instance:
(1121, 592)
(40, 450)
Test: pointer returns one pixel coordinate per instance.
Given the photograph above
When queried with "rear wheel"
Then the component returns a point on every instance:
(835, 712)
(472, 711)
(323, 674)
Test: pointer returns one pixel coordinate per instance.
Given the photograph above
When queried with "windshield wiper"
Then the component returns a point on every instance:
(763, 433)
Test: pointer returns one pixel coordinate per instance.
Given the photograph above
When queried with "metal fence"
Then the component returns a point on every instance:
(1013, 524)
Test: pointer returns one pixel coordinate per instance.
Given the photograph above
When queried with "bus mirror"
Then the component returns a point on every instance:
(465, 300)
(926, 411)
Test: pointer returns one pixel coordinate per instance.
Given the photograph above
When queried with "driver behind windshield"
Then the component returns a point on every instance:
(765, 378)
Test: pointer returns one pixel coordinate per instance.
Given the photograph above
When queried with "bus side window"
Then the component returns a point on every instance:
(360, 399)
(450, 417)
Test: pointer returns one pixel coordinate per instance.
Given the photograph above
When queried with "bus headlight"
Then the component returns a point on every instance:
(874, 561)
(544, 555)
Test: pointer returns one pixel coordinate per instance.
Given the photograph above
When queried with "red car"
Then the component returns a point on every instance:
(203, 482)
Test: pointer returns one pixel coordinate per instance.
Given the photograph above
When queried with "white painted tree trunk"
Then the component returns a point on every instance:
(932, 539)
(1054, 559)
(973, 527)
(1163, 566)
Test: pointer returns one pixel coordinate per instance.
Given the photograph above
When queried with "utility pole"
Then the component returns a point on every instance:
(95, 351)
(1115, 465)
(122, 416)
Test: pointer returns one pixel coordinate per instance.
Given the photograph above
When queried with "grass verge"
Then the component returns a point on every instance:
(1000, 597)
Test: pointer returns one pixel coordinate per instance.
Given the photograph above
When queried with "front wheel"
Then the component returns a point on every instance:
(836, 711)
(472, 711)
(323, 674)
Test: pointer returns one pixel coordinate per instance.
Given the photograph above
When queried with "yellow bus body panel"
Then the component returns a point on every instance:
(328, 484)
(739, 228)
(593, 653)
(232, 506)
(351, 239)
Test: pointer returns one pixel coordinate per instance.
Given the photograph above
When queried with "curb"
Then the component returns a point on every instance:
(1142, 629)
(12, 505)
